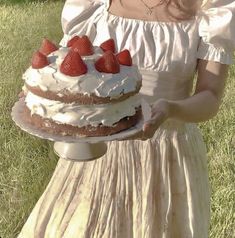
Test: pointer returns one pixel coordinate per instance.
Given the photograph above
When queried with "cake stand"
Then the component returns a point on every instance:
(76, 148)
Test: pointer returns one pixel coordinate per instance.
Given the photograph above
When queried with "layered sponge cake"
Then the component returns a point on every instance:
(82, 89)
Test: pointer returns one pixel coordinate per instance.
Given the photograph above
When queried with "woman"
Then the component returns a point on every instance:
(156, 186)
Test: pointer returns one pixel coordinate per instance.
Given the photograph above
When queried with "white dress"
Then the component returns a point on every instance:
(141, 189)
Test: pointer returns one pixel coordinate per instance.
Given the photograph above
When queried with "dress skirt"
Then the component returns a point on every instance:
(156, 188)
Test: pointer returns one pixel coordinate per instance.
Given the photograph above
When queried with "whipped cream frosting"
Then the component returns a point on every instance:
(82, 115)
(101, 84)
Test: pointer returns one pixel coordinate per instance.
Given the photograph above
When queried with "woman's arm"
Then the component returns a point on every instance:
(202, 106)
(205, 102)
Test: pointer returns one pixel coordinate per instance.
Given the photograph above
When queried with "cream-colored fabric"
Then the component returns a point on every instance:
(213, 34)
(217, 29)
(140, 189)
(152, 189)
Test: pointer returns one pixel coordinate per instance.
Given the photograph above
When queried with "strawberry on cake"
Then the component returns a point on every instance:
(82, 89)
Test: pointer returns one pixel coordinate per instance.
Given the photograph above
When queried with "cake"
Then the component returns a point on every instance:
(81, 89)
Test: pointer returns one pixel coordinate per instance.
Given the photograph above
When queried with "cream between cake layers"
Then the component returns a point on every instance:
(83, 100)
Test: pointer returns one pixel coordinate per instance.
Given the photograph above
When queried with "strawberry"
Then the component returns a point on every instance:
(83, 46)
(108, 45)
(108, 63)
(124, 58)
(47, 47)
(39, 60)
(73, 64)
(72, 41)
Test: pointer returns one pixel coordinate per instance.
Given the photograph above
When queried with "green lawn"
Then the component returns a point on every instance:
(24, 165)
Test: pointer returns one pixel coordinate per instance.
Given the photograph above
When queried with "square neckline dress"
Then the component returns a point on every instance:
(140, 189)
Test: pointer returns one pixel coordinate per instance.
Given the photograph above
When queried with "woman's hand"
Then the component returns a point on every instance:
(160, 111)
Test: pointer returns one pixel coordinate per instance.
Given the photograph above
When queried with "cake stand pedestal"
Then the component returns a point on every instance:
(54, 214)
(83, 151)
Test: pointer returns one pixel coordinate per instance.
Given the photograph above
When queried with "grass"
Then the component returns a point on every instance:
(12, 2)
(24, 165)
(219, 135)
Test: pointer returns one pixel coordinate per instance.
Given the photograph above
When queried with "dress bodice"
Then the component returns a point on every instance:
(165, 52)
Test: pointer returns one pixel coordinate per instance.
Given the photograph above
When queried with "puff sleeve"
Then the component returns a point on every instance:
(79, 18)
(217, 32)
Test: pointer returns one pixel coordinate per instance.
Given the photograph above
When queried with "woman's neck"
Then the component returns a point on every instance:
(147, 10)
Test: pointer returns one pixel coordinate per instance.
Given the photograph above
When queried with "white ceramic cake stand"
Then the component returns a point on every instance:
(76, 148)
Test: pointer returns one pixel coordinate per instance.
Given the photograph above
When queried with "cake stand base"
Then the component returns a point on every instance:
(81, 151)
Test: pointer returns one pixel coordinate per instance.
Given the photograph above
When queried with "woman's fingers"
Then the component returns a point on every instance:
(21, 94)
(159, 113)
(152, 125)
